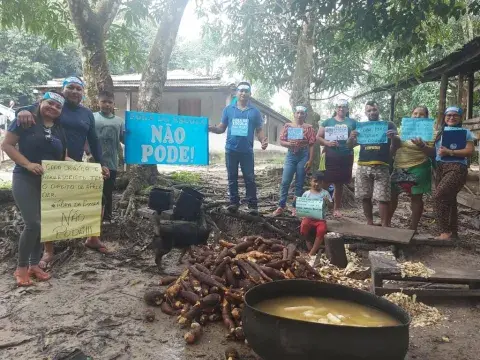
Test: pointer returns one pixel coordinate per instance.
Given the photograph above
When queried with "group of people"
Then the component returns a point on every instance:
(384, 170)
(57, 128)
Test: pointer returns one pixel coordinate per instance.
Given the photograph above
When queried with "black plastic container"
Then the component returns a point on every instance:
(277, 338)
(160, 199)
(188, 205)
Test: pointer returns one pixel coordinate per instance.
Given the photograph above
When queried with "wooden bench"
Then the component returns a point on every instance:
(384, 266)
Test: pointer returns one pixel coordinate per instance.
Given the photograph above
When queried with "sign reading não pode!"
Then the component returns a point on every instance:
(152, 138)
(71, 205)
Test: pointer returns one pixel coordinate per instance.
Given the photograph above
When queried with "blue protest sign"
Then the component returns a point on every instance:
(372, 132)
(294, 133)
(152, 138)
(311, 208)
(416, 128)
(239, 127)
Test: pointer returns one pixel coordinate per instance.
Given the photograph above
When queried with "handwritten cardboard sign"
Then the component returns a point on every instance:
(372, 132)
(311, 208)
(71, 204)
(239, 127)
(336, 133)
(152, 138)
(416, 128)
(294, 133)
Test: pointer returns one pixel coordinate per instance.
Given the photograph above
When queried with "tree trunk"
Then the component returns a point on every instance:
(153, 83)
(302, 79)
(91, 27)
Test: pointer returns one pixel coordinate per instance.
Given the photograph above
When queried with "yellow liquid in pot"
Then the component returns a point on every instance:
(326, 311)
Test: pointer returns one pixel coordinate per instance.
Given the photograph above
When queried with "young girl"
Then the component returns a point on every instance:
(308, 224)
(45, 140)
(299, 156)
(451, 174)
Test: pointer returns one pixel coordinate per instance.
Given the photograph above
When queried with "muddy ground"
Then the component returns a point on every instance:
(94, 302)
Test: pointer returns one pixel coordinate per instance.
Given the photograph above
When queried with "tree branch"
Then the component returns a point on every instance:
(81, 12)
(106, 12)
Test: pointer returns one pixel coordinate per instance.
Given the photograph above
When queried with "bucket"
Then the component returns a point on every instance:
(188, 205)
(160, 199)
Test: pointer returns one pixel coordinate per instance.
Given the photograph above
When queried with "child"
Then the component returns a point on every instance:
(316, 192)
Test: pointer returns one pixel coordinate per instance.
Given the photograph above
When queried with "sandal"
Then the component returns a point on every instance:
(22, 278)
(38, 273)
(44, 263)
(102, 249)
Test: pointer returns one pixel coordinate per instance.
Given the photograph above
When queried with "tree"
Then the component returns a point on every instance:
(153, 81)
(62, 21)
(26, 60)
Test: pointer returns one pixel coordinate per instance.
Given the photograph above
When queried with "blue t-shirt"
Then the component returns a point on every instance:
(37, 143)
(79, 126)
(461, 160)
(241, 127)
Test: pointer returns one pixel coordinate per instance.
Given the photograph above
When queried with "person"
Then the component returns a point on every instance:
(412, 173)
(242, 120)
(110, 131)
(372, 178)
(308, 224)
(451, 173)
(78, 123)
(45, 140)
(299, 156)
(338, 155)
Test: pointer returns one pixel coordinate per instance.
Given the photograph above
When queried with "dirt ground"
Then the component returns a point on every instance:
(94, 302)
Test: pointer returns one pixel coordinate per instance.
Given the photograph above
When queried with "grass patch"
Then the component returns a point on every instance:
(186, 177)
(5, 185)
(356, 153)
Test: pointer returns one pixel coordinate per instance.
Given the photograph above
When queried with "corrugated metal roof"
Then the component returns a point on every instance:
(175, 78)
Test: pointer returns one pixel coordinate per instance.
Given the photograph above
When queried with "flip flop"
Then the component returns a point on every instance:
(45, 261)
(22, 282)
(102, 249)
(337, 214)
(39, 275)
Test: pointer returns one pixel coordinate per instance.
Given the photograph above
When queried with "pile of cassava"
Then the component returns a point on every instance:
(212, 288)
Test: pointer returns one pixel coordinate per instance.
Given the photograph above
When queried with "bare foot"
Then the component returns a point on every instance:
(94, 243)
(444, 236)
(47, 258)
(36, 272)
(21, 276)
(337, 214)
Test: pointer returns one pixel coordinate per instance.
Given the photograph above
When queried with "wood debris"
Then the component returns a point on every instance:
(421, 314)
(415, 269)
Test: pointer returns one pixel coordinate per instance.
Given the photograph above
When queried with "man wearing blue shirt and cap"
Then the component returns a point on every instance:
(78, 123)
(243, 121)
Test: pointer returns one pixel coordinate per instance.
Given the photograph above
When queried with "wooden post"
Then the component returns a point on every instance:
(392, 107)
(128, 107)
(460, 90)
(442, 102)
(470, 85)
(335, 250)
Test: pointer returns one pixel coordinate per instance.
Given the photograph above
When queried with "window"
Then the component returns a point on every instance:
(275, 133)
(190, 107)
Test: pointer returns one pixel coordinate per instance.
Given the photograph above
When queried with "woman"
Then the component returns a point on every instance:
(43, 141)
(299, 138)
(412, 173)
(333, 134)
(451, 173)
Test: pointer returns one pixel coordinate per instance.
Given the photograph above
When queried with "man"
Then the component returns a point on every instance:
(372, 178)
(78, 123)
(242, 120)
(110, 130)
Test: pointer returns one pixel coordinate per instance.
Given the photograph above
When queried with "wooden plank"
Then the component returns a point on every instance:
(371, 233)
(380, 291)
(447, 276)
(442, 101)
(468, 200)
(430, 240)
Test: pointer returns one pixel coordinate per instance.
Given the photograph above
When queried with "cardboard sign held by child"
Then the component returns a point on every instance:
(311, 208)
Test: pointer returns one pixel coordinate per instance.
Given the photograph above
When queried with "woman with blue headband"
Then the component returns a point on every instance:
(299, 138)
(453, 147)
(43, 141)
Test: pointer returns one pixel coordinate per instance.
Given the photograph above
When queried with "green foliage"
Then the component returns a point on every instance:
(186, 177)
(5, 185)
(27, 60)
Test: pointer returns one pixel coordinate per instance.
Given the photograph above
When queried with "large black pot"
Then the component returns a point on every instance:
(277, 338)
